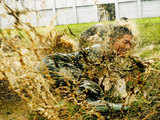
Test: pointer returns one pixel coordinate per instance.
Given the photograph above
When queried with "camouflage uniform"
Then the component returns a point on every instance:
(98, 69)
(77, 63)
(93, 70)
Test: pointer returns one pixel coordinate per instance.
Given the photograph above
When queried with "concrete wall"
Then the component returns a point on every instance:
(151, 8)
(75, 11)
(137, 8)
(43, 12)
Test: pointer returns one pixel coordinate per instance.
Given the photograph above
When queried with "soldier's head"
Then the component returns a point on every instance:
(112, 36)
(121, 39)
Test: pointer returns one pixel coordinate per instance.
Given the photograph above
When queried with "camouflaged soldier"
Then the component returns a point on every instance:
(102, 69)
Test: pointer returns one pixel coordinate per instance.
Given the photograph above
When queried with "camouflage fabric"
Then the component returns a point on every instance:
(99, 74)
(94, 34)
(77, 64)
(99, 71)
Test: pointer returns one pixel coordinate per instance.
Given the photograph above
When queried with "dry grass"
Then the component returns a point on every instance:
(26, 95)
(22, 50)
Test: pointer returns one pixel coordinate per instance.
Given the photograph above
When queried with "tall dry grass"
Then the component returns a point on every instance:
(21, 53)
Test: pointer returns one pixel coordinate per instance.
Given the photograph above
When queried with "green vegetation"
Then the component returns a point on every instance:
(76, 28)
(149, 36)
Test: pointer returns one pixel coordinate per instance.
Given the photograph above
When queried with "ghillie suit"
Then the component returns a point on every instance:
(100, 71)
